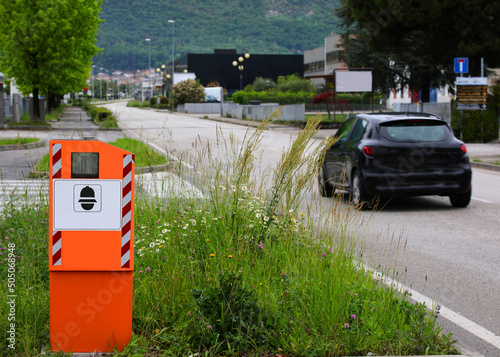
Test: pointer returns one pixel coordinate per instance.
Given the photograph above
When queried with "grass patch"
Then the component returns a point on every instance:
(138, 104)
(26, 120)
(53, 115)
(242, 271)
(144, 155)
(18, 141)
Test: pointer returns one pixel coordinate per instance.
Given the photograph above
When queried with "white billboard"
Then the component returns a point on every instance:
(353, 81)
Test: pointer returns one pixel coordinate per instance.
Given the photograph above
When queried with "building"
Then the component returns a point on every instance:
(320, 62)
(218, 68)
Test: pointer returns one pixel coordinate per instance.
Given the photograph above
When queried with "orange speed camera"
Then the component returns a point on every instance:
(91, 256)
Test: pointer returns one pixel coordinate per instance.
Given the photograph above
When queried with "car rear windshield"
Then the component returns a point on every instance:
(412, 130)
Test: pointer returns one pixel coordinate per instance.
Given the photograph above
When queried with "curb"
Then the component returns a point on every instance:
(27, 127)
(22, 146)
(486, 166)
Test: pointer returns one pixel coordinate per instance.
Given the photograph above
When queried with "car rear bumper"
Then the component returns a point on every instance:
(438, 182)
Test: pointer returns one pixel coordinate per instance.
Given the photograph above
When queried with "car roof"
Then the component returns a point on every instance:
(381, 117)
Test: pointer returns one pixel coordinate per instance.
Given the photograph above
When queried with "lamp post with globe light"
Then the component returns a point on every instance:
(165, 77)
(239, 65)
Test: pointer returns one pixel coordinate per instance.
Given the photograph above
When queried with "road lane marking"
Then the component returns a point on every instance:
(448, 314)
(481, 200)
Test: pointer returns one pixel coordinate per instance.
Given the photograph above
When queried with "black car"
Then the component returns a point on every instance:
(397, 154)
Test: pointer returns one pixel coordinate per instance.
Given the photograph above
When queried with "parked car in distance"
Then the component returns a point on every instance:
(396, 154)
(210, 99)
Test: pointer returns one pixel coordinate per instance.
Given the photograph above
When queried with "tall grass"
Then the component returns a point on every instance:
(247, 269)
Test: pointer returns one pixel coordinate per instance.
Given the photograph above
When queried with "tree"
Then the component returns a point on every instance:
(414, 42)
(188, 91)
(47, 45)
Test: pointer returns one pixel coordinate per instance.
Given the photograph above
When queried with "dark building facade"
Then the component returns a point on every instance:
(218, 67)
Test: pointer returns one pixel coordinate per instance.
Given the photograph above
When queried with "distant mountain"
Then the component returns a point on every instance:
(257, 26)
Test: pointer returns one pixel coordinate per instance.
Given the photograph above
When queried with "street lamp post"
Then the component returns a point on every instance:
(239, 65)
(93, 80)
(165, 77)
(173, 57)
(148, 40)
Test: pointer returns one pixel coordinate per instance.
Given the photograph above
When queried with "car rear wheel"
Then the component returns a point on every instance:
(325, 189)
(461, 199)
(359, 196)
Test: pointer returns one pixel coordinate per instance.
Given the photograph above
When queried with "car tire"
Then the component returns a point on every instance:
(358, 195)
(461, 200)
(325, 189)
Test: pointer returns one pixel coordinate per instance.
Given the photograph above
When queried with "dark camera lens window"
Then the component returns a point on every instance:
(85, 165)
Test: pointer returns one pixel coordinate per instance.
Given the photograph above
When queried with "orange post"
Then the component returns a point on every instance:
(91, 257)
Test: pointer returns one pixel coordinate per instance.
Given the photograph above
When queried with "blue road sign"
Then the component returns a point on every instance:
(461, 65)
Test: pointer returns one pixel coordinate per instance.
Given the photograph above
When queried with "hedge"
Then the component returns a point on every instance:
(476, 125)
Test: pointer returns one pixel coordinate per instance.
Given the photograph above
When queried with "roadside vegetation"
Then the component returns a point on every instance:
(102, 116)
(18, 141)
(26, 121)
(54, 114)
(248, 269)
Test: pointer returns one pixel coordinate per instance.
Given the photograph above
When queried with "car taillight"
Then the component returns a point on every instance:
(463, 148)
(368, 150)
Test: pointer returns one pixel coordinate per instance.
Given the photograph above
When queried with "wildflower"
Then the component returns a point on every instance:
(193, 222)
(229, 256)
(346, 325)
(157, 331)
(266, 218)
(437, 311)
(258, 215)
(151, 245)
(163, 258)
(208, 240)
(209, 327)
(324, 254)
(260, 246)
(222, 187)
(148, 269)
(244, 188)
(164, 230)
(166, 224)
(290, 211)
(212, 255)
(353, 316)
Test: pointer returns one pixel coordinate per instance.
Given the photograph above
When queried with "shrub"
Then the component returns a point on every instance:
(164, 101)
(294, 83)
(476, 125)
(100, 115)
(261, 84)
(273, 97)
(188, 92)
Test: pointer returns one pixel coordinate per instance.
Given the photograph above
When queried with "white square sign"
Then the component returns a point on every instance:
(92, 205)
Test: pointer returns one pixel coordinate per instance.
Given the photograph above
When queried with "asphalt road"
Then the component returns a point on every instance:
(448, 255)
